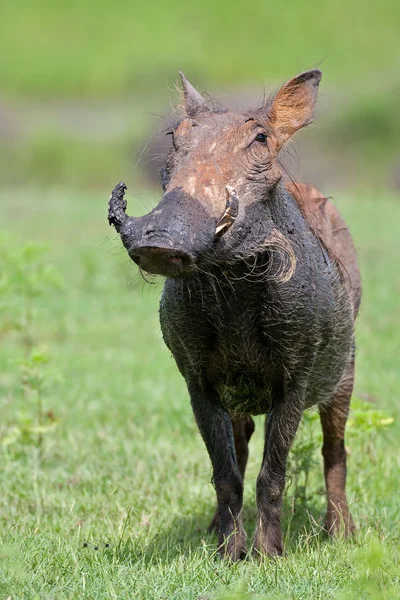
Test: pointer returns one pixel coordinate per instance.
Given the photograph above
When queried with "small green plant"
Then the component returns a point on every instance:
(26, 277)
(365, 418)
(305, 454)
(34, 421)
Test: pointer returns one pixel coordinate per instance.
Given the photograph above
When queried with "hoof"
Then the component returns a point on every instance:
(233, 548)
(338, 523)
(268, 543)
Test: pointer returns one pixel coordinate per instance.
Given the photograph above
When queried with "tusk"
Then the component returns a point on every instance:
(231, 212)
(117, 206)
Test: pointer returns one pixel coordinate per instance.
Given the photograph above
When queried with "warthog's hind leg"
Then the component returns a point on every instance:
(333, 421)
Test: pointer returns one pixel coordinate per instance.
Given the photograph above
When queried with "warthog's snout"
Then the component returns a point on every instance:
(161, 261)
(173, 237)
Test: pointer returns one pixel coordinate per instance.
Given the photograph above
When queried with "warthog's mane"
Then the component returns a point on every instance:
(280, 259)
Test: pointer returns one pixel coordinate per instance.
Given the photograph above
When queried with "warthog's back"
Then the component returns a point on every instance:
(330, 227)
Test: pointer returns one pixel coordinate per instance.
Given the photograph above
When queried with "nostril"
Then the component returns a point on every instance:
(135, 257)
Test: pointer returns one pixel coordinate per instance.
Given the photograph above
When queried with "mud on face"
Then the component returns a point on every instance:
(219, 165)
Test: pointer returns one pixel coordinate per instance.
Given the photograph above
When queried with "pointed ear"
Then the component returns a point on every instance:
(194, 101)
(294, 105)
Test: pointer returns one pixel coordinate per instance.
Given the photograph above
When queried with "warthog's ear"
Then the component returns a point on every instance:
(194, 101)
(294, 105)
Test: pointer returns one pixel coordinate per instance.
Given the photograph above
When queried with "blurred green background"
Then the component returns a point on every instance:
(84, 84)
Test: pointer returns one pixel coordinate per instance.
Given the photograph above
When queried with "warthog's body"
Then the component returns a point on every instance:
(259, 303)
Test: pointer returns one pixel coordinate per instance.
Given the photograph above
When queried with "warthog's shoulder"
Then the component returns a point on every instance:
(330, 227)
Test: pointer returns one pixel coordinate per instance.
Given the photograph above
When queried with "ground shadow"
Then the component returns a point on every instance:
(183, 536)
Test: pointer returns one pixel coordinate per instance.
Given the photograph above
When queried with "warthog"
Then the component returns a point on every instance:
(258, 308)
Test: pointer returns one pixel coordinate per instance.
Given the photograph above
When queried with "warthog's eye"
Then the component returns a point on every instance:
(261, 137)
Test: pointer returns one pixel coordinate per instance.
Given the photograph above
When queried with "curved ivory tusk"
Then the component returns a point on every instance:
(231, 212)
(117, 206)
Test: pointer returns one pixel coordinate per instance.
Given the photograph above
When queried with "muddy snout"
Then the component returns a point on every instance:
(161, 261)
(170, 239)
(175, 235)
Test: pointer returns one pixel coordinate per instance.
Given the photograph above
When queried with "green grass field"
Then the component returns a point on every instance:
(102, 49)
(99, 446)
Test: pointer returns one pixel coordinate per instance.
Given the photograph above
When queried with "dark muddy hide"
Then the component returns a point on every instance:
(258, 305)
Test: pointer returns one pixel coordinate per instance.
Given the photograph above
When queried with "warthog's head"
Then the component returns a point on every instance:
(220, 166)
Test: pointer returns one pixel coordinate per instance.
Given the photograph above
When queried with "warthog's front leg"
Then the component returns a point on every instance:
(216, 429)
(243, 429)
(281, 426)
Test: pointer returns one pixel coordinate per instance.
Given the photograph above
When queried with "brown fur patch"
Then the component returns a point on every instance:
(331, 229)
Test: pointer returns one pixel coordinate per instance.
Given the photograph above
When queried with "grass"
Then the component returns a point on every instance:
(102, 49)
(105, 487)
